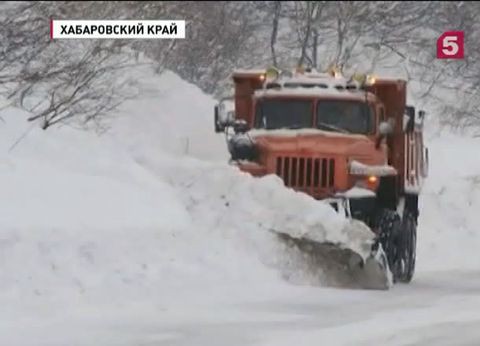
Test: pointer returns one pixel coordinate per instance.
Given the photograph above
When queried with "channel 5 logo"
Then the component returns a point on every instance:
(450, 45)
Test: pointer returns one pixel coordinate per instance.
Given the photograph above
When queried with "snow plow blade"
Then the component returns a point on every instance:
(343, 267)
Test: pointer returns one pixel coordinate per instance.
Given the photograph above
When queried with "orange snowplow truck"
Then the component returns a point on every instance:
(352, 142)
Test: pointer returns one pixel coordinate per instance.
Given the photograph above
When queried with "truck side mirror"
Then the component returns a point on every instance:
(385, 128)
(222, 118)
(240, 126)
(421, 117)
(218, 128)
(410, 121)
(426, 163)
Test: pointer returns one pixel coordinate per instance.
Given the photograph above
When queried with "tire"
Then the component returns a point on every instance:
(388, 226)
(398, 238)
(408, 241)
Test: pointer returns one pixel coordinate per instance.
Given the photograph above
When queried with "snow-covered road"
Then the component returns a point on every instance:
(437, 309)
(440, 308)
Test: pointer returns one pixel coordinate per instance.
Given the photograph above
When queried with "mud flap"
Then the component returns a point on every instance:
(343, 267)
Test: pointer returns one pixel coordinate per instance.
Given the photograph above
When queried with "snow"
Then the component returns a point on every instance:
(312, 92)
(299, 132)
(357, 192)
(363, 169)
(314, 78)
(145, 236)
(249, 71)
(173, 116)
(448, 232)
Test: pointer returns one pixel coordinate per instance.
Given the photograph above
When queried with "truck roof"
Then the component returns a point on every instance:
(316, 92)
(238, 72)
(307, 84)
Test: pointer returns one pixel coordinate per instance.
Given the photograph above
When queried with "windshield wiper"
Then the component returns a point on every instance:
(333, 127)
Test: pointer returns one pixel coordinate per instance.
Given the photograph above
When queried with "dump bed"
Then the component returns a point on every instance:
(407, 153)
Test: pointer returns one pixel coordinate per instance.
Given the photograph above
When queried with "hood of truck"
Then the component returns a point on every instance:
(313, 142)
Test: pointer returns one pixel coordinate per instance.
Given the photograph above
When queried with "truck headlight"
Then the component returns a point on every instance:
(242, 147)
(369, 182)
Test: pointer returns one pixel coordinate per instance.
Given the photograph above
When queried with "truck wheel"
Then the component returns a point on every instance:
(388, 226)
(408, 246)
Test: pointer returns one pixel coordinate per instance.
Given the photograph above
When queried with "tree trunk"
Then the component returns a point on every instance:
(273, 40)
(307, 34)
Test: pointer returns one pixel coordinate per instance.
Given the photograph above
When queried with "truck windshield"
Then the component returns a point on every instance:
(344, 116)
(284, 114)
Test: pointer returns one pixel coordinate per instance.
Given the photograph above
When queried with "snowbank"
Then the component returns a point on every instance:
(448, 234)
(168, 116)
(87, 231)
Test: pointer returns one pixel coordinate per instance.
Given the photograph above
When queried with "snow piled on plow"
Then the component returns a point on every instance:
(256, 209)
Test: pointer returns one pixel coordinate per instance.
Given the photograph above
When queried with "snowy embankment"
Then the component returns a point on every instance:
(449, 230)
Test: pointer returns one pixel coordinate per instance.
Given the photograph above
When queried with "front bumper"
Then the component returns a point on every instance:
(355, 203)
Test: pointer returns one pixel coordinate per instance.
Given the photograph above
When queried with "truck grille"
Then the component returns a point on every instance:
(306, 172)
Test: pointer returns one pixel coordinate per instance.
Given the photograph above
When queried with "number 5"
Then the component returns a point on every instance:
(450, 46)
